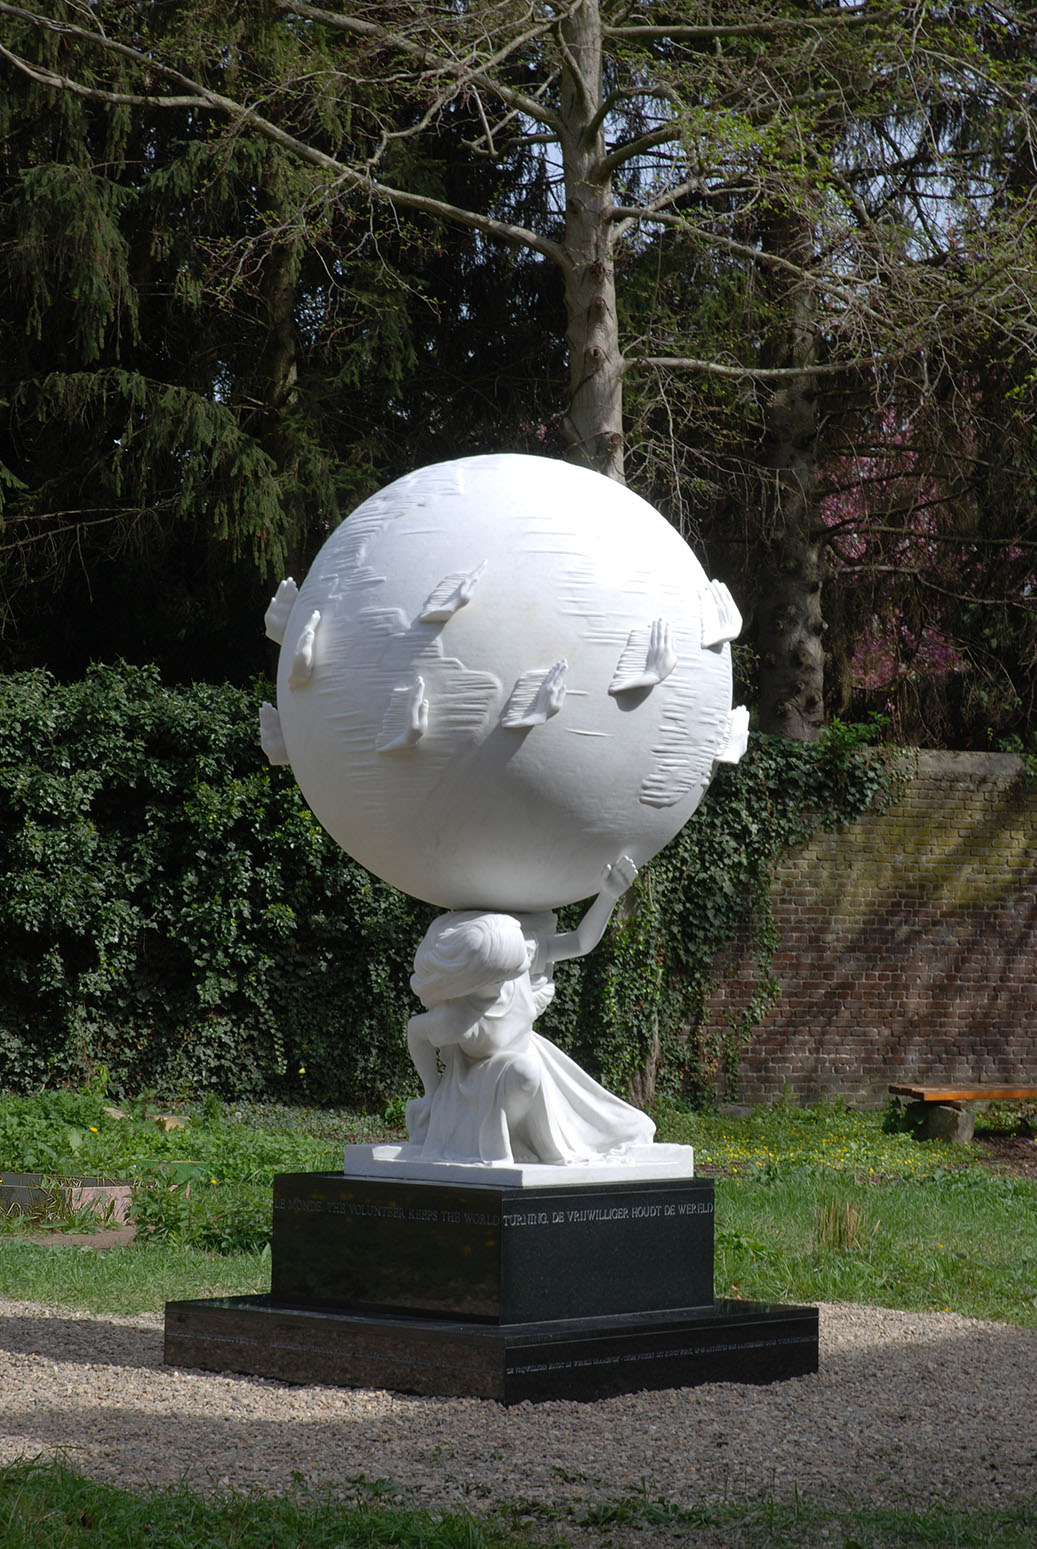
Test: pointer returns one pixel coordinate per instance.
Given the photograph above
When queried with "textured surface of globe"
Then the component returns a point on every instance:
(501, 673)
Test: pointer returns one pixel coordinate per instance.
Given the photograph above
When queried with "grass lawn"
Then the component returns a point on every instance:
(814, 1204)
(48, 1507)
(819, 1204)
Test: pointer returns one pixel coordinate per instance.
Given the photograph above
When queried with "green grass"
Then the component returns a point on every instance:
(127, 1281)
(963, 1241)
(821, 1204)
(49, 1507)
(78, 1132)
(773, 1524)
(827, 1137)
(203, 1184)
(816, 1204)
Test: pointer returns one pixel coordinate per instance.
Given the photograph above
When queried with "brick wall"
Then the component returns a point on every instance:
(907, 943)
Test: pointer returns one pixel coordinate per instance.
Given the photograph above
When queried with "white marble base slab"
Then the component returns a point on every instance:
(638, 1164)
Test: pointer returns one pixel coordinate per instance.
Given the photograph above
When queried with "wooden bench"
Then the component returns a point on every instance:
(939, 1111)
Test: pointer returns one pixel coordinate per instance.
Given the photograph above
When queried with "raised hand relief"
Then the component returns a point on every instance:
(406, 719)
(453, 593)
(536, 697)
(648, 657)
(302, 661)
(282, 602)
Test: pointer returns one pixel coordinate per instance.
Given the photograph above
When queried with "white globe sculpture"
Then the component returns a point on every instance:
(465, 693)
(501, 675)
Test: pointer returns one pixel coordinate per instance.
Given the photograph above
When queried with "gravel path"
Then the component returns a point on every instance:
(908, 1408)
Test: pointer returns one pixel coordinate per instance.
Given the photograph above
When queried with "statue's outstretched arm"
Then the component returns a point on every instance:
(578, 942)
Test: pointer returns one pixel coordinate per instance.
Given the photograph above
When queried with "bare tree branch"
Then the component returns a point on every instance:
(746, 373)
(428, 59)
(202, 97)
(766, 29)
(631, 215)
(631, 149)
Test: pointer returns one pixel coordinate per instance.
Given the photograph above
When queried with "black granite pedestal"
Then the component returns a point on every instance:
(514, 1294)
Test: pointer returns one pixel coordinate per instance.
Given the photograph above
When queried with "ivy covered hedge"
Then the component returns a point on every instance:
(171, 911)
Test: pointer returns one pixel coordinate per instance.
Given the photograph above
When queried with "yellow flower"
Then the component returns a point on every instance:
(302, 1070)
(93, 1129)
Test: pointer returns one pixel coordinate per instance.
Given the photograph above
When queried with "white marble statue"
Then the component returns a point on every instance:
(500, 674)
(504, 1093)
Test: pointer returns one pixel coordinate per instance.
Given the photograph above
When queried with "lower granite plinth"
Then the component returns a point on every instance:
(575, 1359)
(562, 1290)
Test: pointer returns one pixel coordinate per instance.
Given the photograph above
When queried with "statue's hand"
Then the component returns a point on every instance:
(430, 1025)
(271, 734)
(281, 605)
(658, 660)
(536, 697)
(417, 713)
(468, 585)
(662, 657)
(406, 720)
(619, 876)
(470, 1043)
(551, 693)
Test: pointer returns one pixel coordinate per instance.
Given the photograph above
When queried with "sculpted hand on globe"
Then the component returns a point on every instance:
(270, 735)
(552, 693)
(468, 585)
(281, 605)
(662, 658)
(548, 699)
(417, 715)
(302, 661)
(406, 721)
(619, 877)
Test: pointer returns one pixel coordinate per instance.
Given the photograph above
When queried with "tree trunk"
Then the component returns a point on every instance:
(276, 371)
(594, 421)
(789, 622)
(791, 691)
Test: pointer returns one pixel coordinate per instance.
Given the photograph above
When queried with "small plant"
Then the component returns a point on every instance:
(895, 1120)
(212, 1109)
(162, 1197)
(840, 1227)
(179, 1203)
(395, 1112)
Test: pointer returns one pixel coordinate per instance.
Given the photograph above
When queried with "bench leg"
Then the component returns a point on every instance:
(942, 1121)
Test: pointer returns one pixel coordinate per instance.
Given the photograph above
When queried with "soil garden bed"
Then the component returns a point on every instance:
(1007, 1152)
